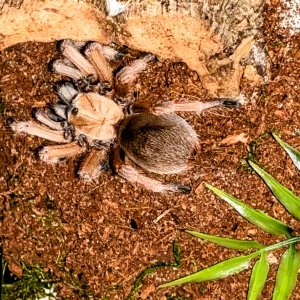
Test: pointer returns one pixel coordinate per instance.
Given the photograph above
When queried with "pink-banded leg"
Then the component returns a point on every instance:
(57, 153)
(36, 129)
(127, 76)
(130, 73)
(93, 164)
(110, 53)
(196, 106)
(129, 173)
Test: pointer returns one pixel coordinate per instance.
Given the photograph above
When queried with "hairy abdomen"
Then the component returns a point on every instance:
(160, 144)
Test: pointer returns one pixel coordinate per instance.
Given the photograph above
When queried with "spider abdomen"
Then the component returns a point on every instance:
(161, 144)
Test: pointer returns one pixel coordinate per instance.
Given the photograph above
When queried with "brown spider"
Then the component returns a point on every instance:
(94, 113)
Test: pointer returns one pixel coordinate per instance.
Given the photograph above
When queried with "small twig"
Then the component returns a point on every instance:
(161, 216)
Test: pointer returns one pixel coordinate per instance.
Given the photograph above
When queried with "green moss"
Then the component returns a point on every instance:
(34, 284)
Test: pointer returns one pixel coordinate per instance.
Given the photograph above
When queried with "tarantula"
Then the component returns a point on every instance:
(95, 113)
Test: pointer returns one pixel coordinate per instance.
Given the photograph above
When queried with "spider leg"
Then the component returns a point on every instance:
(66, 92)
(63, 67)
(42, 115)
(95, 54)
(126, 77)
(110, 53)
(196, 106)
(131, 174)
(73, 54)
(94, 164)
(36, 129)
(130, 73)
(57, 153)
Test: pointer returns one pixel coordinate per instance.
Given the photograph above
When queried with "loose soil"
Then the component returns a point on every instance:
(107, 232)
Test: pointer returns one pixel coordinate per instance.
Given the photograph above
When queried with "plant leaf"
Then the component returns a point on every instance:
(227, 242)
(256, 217)
(221, 270)
(293, 153)
(287, 274)
(258, 277)
(288, 199)
(281, 244)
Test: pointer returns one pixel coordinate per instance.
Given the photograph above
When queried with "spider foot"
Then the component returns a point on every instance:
(127, 76)
(58, 153)
(41, 131)
(130, 73)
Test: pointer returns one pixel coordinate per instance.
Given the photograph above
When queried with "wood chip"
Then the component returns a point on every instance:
(234, 139)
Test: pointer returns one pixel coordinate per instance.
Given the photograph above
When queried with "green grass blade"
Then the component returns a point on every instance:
(287, 274)
(221, 270)
(227, 242)
(258, 277)
(254, 216)
(294, 272)
(281, 244)
(288, 199)
(293, 153)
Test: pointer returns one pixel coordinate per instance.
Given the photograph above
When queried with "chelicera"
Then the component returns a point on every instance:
(95, 114)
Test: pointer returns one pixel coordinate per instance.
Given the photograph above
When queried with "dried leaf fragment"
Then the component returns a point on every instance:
(234, 139)
(15, 268)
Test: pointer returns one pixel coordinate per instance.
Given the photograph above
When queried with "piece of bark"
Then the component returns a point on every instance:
(211, 37)
(50, 20)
